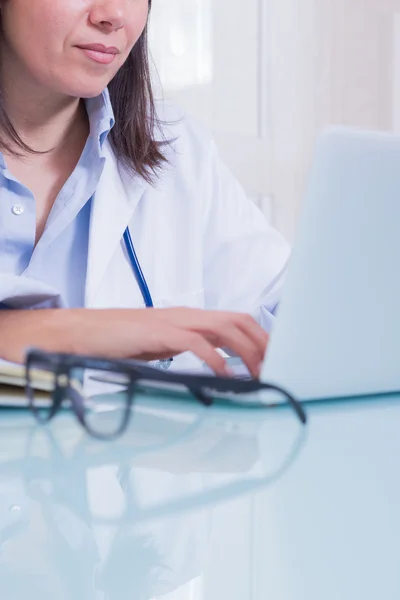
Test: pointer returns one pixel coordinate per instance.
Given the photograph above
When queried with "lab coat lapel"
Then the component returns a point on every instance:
(114, 203)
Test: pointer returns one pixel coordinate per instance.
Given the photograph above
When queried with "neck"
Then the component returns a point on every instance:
(45, 121)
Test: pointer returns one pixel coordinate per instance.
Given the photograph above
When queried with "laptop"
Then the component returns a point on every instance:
(338, 328)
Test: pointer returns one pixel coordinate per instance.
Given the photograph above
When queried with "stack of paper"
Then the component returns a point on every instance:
(14, 375)
(13, 382)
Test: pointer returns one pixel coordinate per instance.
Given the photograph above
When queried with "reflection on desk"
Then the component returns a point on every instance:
(132, 519)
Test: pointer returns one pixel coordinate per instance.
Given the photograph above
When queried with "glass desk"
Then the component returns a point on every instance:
(203, 504)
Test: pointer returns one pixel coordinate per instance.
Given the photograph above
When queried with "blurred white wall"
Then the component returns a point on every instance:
(207, 53)
(267, 75)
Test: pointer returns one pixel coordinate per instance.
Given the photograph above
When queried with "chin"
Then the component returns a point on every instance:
(86, 94)
(88, 89)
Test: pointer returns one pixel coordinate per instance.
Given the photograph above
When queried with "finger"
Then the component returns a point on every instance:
(207, 352)
(235, 340)
(178, 341)
(252, 329)
(207, 322)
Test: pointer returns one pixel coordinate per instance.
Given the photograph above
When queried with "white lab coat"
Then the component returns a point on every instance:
(199, 240)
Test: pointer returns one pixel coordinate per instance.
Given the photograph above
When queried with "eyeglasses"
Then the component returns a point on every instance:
(101, 392)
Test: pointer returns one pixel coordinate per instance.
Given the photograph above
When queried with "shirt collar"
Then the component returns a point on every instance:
(101, 116)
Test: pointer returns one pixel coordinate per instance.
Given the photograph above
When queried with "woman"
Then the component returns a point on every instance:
(88, 163)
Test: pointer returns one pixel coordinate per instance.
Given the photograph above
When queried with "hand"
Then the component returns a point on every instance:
(146, 334)
(237, 332)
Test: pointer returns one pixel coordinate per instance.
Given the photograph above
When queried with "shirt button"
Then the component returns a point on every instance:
(18, 209)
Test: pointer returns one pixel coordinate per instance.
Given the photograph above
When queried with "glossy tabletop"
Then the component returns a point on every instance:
(204, 504)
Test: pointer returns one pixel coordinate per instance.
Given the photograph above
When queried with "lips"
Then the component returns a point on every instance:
(98, 53)
(99, 48)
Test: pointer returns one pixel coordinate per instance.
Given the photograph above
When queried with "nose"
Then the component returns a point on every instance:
(109, 15)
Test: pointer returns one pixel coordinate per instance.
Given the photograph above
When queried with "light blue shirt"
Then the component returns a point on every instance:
(52, 274)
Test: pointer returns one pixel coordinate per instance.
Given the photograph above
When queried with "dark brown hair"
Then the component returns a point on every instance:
(133, 135)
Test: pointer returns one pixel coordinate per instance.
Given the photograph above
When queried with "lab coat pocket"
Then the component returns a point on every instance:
(190, 299)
